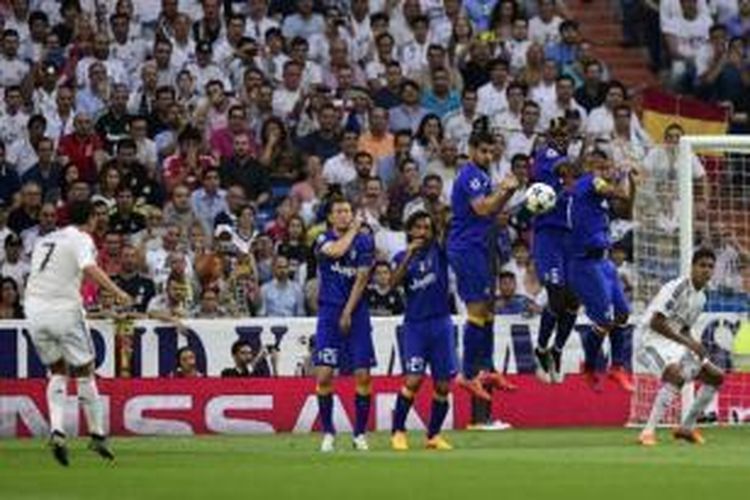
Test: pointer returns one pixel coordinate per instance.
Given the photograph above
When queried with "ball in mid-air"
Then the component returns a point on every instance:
(540, 198)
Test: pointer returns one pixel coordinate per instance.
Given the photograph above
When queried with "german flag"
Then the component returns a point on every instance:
(697, 117)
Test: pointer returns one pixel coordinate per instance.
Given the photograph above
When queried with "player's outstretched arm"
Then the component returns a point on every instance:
(491, 204)
(101, 278)
(660, 325)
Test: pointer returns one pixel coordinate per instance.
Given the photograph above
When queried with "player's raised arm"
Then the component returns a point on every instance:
(493, 203)
(336, 249)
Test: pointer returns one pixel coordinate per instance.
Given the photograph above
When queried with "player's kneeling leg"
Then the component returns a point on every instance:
(712, 378)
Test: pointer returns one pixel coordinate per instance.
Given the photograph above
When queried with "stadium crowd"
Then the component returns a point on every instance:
(209, 134)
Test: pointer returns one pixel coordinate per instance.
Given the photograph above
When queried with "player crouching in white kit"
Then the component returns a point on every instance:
(58, 327)
(671, 350)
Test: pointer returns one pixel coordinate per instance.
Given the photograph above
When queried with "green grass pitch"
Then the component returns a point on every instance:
(550, 464)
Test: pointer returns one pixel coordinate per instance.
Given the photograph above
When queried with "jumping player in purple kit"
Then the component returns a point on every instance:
(343, 336)
(470, 249)
(550, 253)
(593, 277)
(428, 337)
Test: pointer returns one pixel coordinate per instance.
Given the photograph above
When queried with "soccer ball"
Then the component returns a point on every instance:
(540, 198)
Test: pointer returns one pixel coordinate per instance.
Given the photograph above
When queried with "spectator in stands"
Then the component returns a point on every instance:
(281, 297)
(10, 181)
(186, 166)
(719, 66)
(46, 172)
(660, 165)
(427, 140)
(125, 219)
(388, 167)
(244, 170)
(382, 299)
(130, 279)
(441, 98)
(186, 364)
(430, 201)
(407, 189)
(179, 211)
(170, 306)
(10, 299)
(210, 306)
(14, 266)
(222, 140)
(544, 28)
(323, 143)
(26, 215)
(340, 169)
(592, 93)
(354, 189)
(23, 151)
(83, 148)
(409, 114)
(508, 301)
(377, 140)
(209, 200)
(685, 34)
(565, 51)
(491, 97)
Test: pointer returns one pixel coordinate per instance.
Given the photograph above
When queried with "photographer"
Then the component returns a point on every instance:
(249, 362)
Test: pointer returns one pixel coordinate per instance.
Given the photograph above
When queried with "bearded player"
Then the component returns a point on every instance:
(428, 329)
(470, 249)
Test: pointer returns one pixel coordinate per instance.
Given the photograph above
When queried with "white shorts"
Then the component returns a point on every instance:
(59, 335)
(656, 356)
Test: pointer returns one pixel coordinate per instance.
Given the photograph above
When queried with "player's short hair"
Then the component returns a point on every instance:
(239, 344)
(506, 274)
(80, 212)
(481, 136)
(334, 200)
(703, 253)
(417, 216)
(381, 263)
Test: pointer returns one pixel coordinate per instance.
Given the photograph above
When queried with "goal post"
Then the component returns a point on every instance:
(701, 198)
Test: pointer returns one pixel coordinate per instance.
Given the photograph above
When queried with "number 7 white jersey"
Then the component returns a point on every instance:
(57, 264)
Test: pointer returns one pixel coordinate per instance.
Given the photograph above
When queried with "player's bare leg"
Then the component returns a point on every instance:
(362, 404)
(712, 379)
(404, 402)
(324, 391)
(672, 381)
(88, 395)
(56, 394)
(435, 441)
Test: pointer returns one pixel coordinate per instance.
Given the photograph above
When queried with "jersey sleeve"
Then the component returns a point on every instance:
(320, 242)
(665, 301)
(85, 252)
(398, 258)
(473, 184)
(365, 245)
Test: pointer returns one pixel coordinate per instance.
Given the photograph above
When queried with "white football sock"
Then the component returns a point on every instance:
(56, 393)
(664, 397)
(88, 395)
(702, 400)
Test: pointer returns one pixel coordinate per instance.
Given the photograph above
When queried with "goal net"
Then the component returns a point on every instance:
(696, 194)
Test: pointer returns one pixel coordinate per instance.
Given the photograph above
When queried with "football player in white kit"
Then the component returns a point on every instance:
(674, 352)
(58, 327)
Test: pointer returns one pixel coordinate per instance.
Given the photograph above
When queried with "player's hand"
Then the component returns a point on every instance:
(345, 323)
(698, 348)
(415, 245)
(123, 299)
(509, 183)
